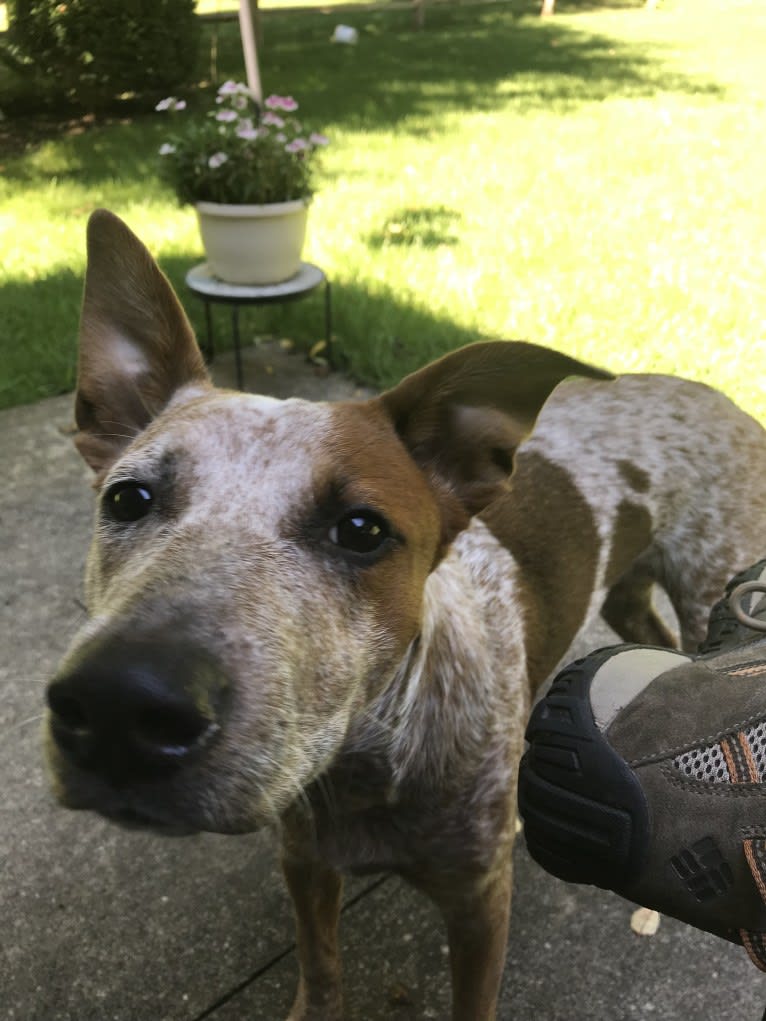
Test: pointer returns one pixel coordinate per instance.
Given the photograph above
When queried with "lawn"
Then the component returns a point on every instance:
(594, 182)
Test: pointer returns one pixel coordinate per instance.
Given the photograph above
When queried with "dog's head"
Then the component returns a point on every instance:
(258, 567)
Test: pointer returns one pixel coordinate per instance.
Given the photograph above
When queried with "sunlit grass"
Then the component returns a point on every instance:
(594, 182)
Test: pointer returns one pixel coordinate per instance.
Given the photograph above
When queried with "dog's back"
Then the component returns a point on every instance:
(676, 475)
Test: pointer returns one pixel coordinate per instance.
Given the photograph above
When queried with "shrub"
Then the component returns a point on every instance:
(92, 52)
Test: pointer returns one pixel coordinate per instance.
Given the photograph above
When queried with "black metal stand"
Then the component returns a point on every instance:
(212, 291)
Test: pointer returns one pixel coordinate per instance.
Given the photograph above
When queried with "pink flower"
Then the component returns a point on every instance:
(272, 119)
(316, 139)
(286, 103)
(297, 145)
(217, 160)
(227, 116)
(246, 130)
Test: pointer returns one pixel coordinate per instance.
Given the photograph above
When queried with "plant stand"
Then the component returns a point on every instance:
(213, 291)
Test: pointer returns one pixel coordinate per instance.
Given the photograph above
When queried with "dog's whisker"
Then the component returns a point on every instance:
(103, 435)
(272, 811)
(326, 789)
(21, 724)
(297, 793)
(23, 681)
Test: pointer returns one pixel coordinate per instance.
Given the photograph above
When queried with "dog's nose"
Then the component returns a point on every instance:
(131, 710)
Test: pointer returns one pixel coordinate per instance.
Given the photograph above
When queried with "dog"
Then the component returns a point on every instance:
(332, 618)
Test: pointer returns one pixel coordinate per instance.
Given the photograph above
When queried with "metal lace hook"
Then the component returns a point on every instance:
(735, 602)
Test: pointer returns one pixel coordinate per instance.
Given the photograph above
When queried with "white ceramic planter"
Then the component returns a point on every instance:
(253, 244)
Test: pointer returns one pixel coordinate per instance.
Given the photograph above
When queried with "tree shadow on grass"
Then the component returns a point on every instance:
(38, 329)
(467, 59)
(372, 330)
(379, 335)
(418, 226)
(532, 7)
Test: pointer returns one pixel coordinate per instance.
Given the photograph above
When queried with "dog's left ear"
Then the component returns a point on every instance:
(463, 416)
(137, 347)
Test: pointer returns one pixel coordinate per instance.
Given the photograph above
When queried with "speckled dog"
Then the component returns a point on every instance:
(333, 618)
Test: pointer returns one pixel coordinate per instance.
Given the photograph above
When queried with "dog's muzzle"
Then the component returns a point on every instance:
(133, 711)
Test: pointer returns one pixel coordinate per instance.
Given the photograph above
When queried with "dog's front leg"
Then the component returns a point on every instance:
(477, 912)
(316, 892)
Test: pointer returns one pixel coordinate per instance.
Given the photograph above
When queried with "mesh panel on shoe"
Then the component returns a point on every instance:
(706, 764)
(709, 764)
(756, 736)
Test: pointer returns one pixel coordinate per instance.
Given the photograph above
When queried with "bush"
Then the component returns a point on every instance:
(92, 52)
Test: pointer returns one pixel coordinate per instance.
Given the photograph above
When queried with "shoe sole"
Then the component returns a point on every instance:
(585, 815)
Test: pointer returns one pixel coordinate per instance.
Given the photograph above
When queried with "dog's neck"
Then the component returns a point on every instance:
(468, 658)
(440, 730)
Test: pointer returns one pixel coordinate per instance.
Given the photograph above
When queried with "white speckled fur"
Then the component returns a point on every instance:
(375, 707)
(706, 466)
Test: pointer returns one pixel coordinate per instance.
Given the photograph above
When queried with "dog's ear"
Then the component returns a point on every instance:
(137, 346)
(463, 416)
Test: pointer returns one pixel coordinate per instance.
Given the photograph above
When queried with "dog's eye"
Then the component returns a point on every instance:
(128, 501)
(360, 531)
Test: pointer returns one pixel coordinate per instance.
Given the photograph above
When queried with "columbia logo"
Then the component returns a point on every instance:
(703, 870)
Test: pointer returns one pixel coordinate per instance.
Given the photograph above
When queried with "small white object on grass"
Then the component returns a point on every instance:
(345, 34)
(645, 922)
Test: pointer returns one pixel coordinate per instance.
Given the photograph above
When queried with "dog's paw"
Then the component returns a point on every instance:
(327, 1006)
(327, 1013)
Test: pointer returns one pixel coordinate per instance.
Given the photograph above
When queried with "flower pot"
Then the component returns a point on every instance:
(253, 244)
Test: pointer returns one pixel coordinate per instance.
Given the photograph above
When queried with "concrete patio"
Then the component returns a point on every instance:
(106, 925)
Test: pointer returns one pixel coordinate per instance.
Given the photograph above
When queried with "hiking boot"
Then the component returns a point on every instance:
(646, 775)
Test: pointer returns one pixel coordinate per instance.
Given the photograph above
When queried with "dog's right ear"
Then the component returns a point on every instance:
(137, 347)
(463, 417)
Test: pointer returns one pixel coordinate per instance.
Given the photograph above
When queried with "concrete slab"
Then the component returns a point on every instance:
(100, 924)
(572, 956)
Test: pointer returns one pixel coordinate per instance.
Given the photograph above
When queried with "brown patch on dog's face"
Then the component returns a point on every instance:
(243, 554)
(378, 475)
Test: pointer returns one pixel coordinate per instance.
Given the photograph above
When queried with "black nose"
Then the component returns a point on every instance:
(132, 710)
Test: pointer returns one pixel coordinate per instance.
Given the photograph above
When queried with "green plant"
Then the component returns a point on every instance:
(237, 153)
(92, 52)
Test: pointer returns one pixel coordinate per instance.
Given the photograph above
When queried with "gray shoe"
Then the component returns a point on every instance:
(646, 775)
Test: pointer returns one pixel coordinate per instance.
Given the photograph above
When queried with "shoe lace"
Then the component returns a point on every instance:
(735, 602)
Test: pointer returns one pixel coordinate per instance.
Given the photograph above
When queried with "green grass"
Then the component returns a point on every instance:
(594, 182)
